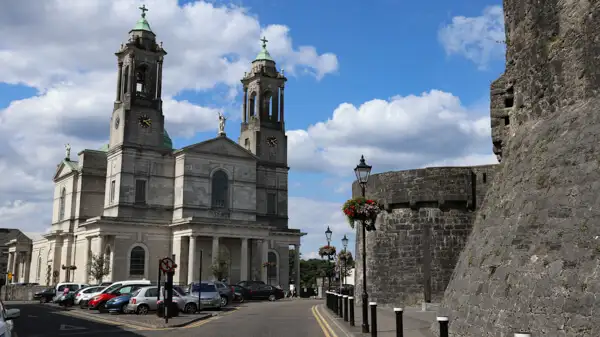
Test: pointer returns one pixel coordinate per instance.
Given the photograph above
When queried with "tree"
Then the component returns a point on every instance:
(346, 262)
(99, 267)
(219, 269)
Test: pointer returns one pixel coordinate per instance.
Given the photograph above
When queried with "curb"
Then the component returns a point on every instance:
(142, 324)
(342, 327)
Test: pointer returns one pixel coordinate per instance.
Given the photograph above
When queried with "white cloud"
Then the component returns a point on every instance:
(479, 39)
(313, 217)
(399, 133)
(71, 63)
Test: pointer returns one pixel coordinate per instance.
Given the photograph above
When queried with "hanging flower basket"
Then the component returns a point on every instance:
(345, 256)
(363, 210)
(268, 264)
(326, 251)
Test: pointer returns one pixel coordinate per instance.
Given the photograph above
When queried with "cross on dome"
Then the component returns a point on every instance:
(264, 42)
(144, 10)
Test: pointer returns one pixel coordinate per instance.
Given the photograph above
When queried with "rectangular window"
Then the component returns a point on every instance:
(140, 191)
(271, 203)
(247, 144)
(112, 191)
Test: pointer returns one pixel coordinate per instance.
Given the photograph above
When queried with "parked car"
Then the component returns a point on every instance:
(241, 294)
(7, 317)
(84, 295)
(45, 295)
(118, 304)
(265, 292)
(72, 286)
(211, 298)
(250, 284)
(143, 300)
(98, 302)
(225, 291)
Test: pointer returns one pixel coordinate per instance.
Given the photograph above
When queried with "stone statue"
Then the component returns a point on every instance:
(67, 151)
(222, 120)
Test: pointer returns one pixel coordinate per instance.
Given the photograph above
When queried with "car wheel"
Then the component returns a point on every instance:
(124, 308)
(224, 301)
(242, 299)
(102, 307)
(82, 305)
(272, 298)
(190, 308)
(142, 309)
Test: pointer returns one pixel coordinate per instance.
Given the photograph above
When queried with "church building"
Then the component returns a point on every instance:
(137, 199)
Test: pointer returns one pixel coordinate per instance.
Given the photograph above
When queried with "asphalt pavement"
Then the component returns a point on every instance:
(289, 318)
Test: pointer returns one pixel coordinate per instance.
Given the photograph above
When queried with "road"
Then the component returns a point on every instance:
(289, 318)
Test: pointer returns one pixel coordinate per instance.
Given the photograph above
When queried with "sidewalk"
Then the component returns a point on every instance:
(416, 322)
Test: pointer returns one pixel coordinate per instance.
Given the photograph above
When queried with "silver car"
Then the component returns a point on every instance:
(143, 300)
(225, 291)
(188, 303)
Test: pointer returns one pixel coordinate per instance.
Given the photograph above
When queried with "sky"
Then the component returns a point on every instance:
(404, 83)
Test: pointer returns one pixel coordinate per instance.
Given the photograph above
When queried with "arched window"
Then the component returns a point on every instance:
(252, 105)
(272, 268)
(220, 189)
(137, 261)
(140, 80)
(61, 204)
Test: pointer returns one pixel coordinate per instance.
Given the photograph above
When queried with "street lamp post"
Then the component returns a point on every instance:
(343, 270)
(328, 237)
(362, 172)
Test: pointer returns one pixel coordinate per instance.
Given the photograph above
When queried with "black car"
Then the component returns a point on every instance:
(266, 292)
(250, 284)
(241, 294)
(45, 295)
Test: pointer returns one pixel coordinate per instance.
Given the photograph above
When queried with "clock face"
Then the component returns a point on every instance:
(145, 121)
(117, 122)
(272, 141)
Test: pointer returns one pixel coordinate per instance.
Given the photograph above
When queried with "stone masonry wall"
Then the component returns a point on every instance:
(421, 234)
(532, 261)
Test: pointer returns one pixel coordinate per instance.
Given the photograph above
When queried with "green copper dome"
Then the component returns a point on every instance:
(264, 53)
(142, 23)
(167, 142)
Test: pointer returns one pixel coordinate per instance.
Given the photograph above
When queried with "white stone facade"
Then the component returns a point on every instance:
(138, 200)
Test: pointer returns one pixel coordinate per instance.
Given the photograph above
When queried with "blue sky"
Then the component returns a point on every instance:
(409, 88)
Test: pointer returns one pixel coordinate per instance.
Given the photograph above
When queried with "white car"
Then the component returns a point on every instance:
(85, 294)
(6, 320)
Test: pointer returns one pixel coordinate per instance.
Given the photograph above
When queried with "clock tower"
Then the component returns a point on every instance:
(263, 134)
(263, 126)
(137, 118)
(139, 147)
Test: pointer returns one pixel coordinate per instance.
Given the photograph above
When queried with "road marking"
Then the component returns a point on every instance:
(67, 327)
(333, 320)
(321, 322)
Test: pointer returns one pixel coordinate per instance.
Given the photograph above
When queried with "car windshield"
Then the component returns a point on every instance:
(205, 287)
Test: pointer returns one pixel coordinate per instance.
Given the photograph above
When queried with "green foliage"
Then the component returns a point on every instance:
(98, 267)
(219, 269)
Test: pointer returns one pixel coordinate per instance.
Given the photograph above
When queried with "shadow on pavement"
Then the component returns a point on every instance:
(39, 320)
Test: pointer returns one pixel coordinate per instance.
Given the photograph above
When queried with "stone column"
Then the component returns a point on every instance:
(264, 259)
(13, 267)
(26, 266)
(177, 276)
(192, 260)
(215, 250)
(297, 267)
(244, 261)
(281, 120)
(87, 257)
(119, 82)
(159, 80)
(245, 106)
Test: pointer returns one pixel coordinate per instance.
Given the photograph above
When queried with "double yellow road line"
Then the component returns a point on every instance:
(327, 330)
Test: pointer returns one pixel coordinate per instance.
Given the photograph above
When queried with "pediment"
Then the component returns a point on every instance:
(65, 168)
(220, 146)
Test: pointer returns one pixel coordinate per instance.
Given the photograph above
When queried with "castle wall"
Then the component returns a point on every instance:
(428, 219)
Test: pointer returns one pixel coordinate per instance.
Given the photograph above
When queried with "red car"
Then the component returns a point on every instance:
(98, 302)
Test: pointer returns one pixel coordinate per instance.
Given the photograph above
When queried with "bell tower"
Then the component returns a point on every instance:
(263, 133)
(137, 118)
(263, 124)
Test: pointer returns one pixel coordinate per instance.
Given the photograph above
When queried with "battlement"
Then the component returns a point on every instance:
(433, 187)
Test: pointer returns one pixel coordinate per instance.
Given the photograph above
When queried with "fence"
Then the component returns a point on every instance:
(343, 306)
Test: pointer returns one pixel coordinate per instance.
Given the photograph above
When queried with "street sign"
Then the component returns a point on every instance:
(167, 265)
(10, 276)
